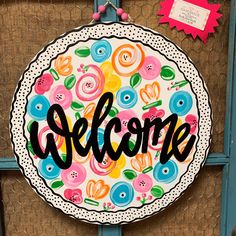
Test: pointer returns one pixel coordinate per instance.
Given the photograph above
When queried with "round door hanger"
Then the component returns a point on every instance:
(111, 123)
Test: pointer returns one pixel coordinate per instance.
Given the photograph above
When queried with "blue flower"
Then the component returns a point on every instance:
(101, 50)
(121, 194)
(126, 97)
(180, 103)
(48, 168)
(38, 107)
(165, 173)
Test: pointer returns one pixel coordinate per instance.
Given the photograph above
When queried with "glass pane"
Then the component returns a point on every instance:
(26, 26)
(210, 59)
(197, 212)
(27, 214)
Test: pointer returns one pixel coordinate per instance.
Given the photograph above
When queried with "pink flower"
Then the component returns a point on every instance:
(144, 195)
(124, 117)
(142, 183)
(73, 195)
(73, 176)
(61, 96)
(138, 198)
(151, 68)
(43, 84)
(150, 197)
(193, 121)
(153, 113)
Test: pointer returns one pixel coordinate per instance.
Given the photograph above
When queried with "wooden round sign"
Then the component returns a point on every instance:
(111, 123)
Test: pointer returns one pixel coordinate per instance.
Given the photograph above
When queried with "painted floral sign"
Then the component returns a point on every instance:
(110, 123)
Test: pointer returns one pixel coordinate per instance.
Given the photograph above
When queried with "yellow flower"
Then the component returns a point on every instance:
(112, 81)
(120, 164)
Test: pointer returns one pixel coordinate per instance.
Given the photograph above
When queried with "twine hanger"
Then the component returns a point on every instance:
(124, 16)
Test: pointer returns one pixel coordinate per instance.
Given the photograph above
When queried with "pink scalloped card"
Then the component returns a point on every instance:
(198, 18)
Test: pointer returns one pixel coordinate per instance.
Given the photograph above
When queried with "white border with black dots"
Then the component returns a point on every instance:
(43, 60)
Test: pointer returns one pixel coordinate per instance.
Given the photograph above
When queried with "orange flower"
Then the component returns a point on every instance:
(63, 65)
(97, 189)
(89, 112)
(150, 93)
(141, 161)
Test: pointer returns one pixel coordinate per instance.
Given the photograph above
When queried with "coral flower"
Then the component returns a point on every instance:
(150, 93)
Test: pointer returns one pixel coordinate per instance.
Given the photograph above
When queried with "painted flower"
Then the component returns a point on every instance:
(124, 117)
(73, 195)
(122, 194)
(97, 189)
(89, 112)
(120, 163)
(38, 107)
(153, 113)
(112, 81)
(101, 50)
(73, 176)
(126, 97)
(193, 121)
(143, 183)
(150, 93)
(141, 161)
(60, 95)
(48, 168)
(63, 65)
(43, 84)
(151, 68)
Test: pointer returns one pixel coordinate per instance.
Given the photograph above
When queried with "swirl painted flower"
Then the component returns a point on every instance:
(150, 93)
(43, 84)
(74, 195)
(91, 84)
(97, 189)
(63, 65)
(124, 117)
(101, 50)
(127, 59)
(74, 175)
(143, 183)
(151, 68)
(141, 161)
(38, 107)
(48, 168)
(60, 95)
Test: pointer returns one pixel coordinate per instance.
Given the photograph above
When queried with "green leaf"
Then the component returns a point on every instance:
(82, 51)
(29, 125)
(130, 174)
(63, 157)
(167, 73)
(135, 80)
(113, 112)
(147, 169)
(70, 81)
(77, 115)
(57, 183)
(77, 106)
(29, 146)
(131, 144)
(157, 191)
(54, 74)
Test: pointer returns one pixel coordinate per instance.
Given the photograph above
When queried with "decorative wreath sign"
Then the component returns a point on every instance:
(110, 123)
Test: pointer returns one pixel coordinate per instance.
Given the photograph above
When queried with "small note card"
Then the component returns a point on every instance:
(197, 18)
